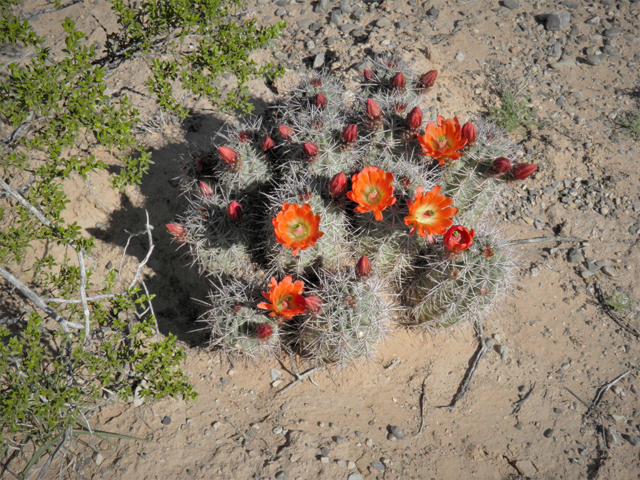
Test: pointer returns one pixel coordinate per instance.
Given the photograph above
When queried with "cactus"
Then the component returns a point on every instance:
(234, 322)
(355, 316)
(452, 287)
(335, 188)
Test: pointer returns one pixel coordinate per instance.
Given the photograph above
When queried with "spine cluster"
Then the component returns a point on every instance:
(344, 212)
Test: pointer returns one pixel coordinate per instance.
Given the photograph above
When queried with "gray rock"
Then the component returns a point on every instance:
(280, 12)
(433, 13)
(569, 5)
(593, 21)
(593, 60)
(345, 6)
(402, 24)
(549, 432)
(383, 22)
(574, 255)
(319, 60)
(338, 439)
(609, 271)
(303, 23)
(610, 50)
(98, 458)
(632, 439)
(511, 4)
(321, 6)
(358, 14)
(378, 466)
(281, 3)
(460, 56)
(336, 17)
(315, 26)
(557, 20)
(355, 476)
(166, 420)
(358, 32)
(608, 3)
(566, 62)
(396, 432)
(262, 2)
(613, 437)
(613, 32)
(347, 27)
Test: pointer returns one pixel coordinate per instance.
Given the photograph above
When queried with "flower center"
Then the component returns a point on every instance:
(285, 303)
(456, 234)
(442, 141)
(300, 230)
(428, 214)
(373, 196)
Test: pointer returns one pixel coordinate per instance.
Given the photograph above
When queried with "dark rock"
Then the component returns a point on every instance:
(511, 4)
(378, 466)
(282, 475)
(593, 60)
(347, 27)
(321, 6)
(549, 432)
(613, 32)
(433, 13)
(557, 20)
(396, 432)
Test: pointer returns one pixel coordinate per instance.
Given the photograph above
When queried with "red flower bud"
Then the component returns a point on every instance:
(398, 82)
(236, 308)
(501, 165)
(399, 108)
(316, 82)
(522, 171)
(469, 132)
(363, 267)
(350, 133)
(428, 79)
(373, 110)
(234, 211)
(458, 238)
(338, 184)
(368, 75)
(205, 190)
(268, 144)
(313, 303)
(244, 137)
(414, 119)
(320, 101)
(176, 230)
(263, 330)
(228, 155)
(286, 132)
(310, 149)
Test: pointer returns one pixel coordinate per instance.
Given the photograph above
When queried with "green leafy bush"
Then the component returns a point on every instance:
(53, 112)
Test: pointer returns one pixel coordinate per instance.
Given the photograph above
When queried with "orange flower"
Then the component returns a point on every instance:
(429, 213)
(286, 300)
(443, 140)
(297, 227)
(371, 189)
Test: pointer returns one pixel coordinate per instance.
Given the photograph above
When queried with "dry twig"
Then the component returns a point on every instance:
(471, 371)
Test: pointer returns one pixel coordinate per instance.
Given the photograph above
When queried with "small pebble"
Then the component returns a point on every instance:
(324, 459)
(282, 475)
(549, 432)
(277, 430)
(166, 420)
(396, 432)
(378, 466)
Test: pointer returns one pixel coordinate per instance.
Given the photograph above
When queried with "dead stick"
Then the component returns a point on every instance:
(301, 377)
(611, 312)
(422, 399)
(602, 390)
(472, 370)
(526, 241)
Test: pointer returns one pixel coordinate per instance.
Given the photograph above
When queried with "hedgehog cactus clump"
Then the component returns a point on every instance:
(349, 211)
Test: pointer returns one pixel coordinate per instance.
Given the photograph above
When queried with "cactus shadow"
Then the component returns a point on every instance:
(179, 288)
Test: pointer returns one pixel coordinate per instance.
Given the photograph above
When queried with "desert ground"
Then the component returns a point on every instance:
(552, 345)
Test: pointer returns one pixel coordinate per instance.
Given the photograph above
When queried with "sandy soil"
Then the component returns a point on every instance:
(551, 342)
